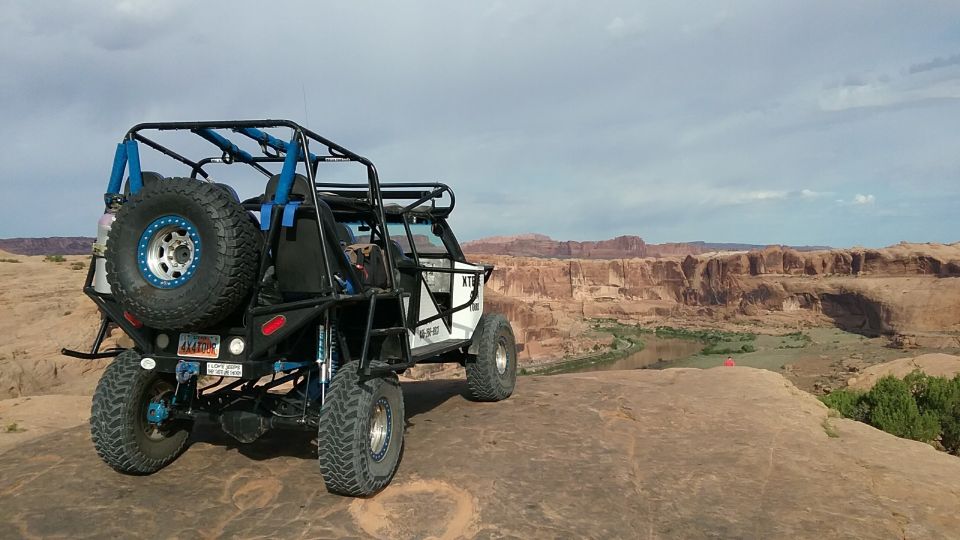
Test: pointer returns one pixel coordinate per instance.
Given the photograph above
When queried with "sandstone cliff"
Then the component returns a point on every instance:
(539, 245)
(902, 289)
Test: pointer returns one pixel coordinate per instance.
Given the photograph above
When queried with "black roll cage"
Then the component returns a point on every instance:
(367, 197)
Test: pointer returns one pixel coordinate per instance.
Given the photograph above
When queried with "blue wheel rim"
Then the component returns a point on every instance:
(168, 253)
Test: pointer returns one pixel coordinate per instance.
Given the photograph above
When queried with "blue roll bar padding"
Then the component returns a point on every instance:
(286, 175)
(119, 165)
(266, 209)
(133, 161)
(267, 139)
(225, 144)
(289, 212)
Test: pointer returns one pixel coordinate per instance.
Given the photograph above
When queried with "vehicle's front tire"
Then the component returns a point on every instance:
(361, 432)
(492, 372)
(121, 433)
(182, 254)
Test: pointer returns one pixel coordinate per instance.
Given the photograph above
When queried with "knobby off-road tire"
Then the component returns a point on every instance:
(492, 375)
(182, 254)
(121, 434)
(361, 432)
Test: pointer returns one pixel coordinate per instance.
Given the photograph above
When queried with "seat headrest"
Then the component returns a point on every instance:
(301, 186)
(148, 177)
(345, 235)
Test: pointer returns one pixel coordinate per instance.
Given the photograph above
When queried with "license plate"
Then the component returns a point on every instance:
(199, 346)
(224, 370)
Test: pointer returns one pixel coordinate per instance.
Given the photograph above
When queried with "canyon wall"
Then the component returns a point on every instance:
(539, 245)
(908, 289)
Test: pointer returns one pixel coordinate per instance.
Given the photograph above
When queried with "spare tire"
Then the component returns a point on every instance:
(182, 254)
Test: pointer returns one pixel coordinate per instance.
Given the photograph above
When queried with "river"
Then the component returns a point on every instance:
(656, 350)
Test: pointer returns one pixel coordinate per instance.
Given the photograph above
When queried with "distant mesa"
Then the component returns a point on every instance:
(521, 245)
(621, 247)
(52, 245)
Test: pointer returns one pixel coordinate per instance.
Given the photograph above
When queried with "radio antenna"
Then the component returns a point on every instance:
(306, 114)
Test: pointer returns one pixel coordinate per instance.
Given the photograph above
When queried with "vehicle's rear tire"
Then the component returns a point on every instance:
(361, 432)
(121, 434)
(492, 372)
(182, 254)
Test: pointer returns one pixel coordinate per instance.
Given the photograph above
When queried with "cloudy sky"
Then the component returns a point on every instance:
(808, 122)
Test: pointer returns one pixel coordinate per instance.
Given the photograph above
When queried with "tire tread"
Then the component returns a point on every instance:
(111, 427)
(237, 250)
(483, 381)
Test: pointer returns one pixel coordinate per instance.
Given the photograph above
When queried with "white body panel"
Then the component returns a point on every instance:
(463, 322)
(466, 320)
(432, 332)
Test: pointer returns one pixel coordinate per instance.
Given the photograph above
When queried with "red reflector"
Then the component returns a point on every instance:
(273, 325)
(133, 320)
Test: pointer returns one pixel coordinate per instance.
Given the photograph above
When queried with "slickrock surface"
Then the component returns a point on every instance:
(720, 453)
(43, 309)
(936, 364)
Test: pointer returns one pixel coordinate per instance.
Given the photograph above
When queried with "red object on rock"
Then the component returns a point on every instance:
(729, 362)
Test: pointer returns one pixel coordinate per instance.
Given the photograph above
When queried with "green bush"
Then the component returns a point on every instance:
(940, 397)
(893, 408)
(919, 407)
(54, 258)
(848, 403)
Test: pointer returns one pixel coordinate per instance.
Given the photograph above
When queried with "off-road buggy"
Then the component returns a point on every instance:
(295, 309)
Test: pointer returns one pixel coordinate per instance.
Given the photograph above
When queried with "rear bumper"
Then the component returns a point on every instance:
(217, 367)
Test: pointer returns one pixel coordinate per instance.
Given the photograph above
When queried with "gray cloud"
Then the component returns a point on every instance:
(936, 63)
(624, 118)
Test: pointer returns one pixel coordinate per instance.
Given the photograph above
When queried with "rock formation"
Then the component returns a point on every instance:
(904, 289)
(55, 245)
(539, 245)
(936, 365)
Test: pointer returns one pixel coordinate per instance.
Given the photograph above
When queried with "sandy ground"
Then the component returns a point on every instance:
(27, 418)
(43, 309)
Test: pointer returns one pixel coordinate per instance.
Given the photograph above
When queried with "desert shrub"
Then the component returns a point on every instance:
(716, 348)
(800, 336)
(940, 397)
(950, 431)
(709, 336)
(919, 407)
(9, 260)
(54, 258)
(849, 403)
(893, 408)
(715, 341)
(78, 266)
